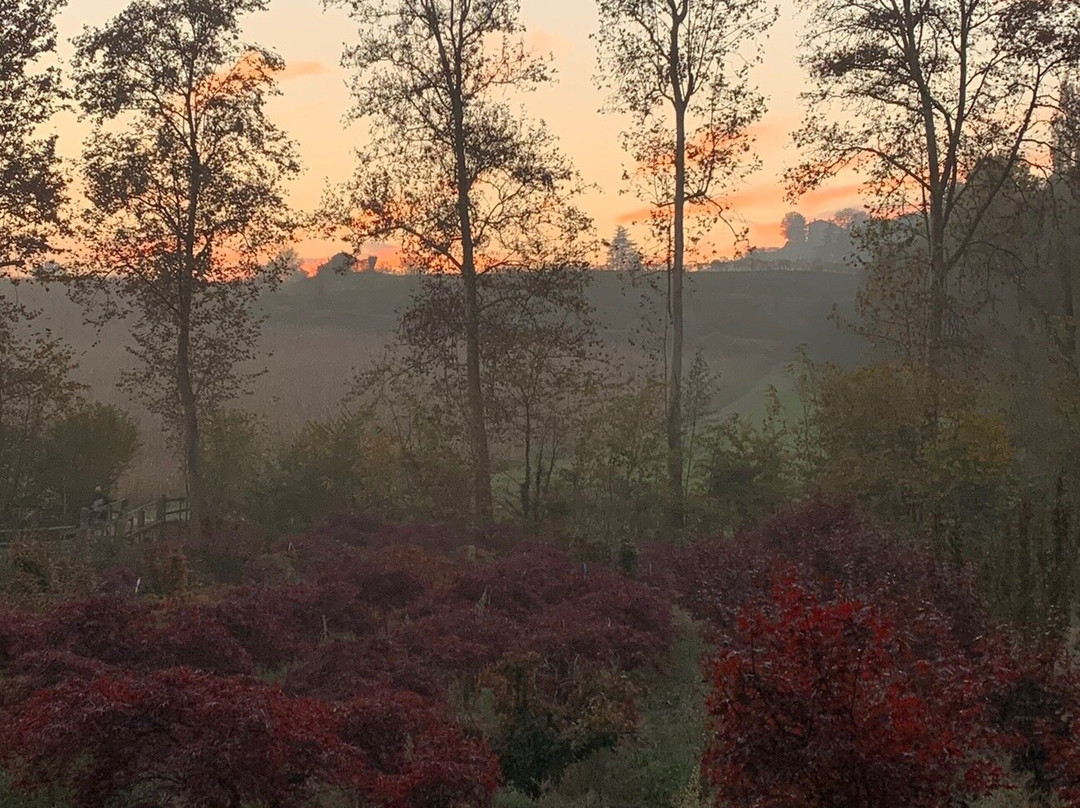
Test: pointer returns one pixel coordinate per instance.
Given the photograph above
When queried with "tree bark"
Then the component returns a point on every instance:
(675, 295)
(192, 455)
(186, 388)
(483, 509)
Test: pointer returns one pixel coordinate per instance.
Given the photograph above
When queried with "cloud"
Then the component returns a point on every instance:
(302, 69)
(538, 40)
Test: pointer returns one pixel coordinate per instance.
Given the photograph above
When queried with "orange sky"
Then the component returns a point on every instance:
(315, 99)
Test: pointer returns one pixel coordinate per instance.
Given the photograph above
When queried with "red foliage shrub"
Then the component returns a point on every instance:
(1036, 700)
(193, 638)
(117, 582)
(458, 640)
(181, 737)
(435, 574)
(280, 624)
(343, 669)
(106, 628)
(528, 581)
(831, 546)
(176, 736)
(826, 701)
(620, 624)
(18, 634)
(434, 538)
(422, 760)
(353, 529)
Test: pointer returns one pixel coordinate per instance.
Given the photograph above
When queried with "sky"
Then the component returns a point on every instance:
(315, 99)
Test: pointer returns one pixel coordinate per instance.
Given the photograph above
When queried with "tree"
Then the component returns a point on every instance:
(31, 187)
(793, 228)
(36, 389)
(450, 172)
(686, 59)
(934, 94)
(34, 366)
(184, 179)
(541, 356)
(91, 445)
(623, 255)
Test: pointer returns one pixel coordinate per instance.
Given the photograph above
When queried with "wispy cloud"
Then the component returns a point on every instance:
(302, 69)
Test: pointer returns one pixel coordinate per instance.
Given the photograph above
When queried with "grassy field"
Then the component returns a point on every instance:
(319, 331)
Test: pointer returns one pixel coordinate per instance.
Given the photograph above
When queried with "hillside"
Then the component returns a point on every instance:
(320, 330)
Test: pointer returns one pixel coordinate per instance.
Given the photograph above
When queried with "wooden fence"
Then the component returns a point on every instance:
(119, 522)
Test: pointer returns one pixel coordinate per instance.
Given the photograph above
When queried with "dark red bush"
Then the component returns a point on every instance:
(825, 700)
(423, 761)
(107, 628)
(340, 670)
(176, 736)
(192, 638)
(187, 738)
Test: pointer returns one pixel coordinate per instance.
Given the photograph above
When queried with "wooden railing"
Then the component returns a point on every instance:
(124, 522)
(119, 522)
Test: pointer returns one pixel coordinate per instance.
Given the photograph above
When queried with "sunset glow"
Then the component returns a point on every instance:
(314, 103)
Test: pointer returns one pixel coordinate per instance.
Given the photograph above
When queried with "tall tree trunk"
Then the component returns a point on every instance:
(675, 303)
(186, 388)
(526, 486)
(483, 509)
(192, 456)
(1070, 276)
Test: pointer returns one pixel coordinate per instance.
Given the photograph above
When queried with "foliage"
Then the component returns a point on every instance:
(341, 465)
(184, 181)
(116, 737)
(656, 765)
(453, 175)
(875, 446)
(682, 71)
(91, 446)
(36, 389)
(235, 457)
(829, 701)
(943, 101)
(31, 185)
(749, 471)
(613, 489)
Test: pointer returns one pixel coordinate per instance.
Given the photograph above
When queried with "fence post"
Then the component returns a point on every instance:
(161, 504)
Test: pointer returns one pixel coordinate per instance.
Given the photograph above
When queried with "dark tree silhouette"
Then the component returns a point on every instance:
(681, 69)
(31, 187)
(184, 179)
(933, 94)
(451, 173)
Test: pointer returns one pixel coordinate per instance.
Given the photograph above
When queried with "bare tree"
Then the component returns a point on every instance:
(681, 69)
(923, 98)
(184, 179)
(450, 172)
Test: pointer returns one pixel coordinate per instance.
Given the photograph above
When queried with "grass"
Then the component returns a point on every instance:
(661, 766)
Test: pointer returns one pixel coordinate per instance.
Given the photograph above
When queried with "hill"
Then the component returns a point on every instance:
(320, 330)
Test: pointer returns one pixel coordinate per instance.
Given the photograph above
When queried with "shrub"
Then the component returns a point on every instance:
(827, 701)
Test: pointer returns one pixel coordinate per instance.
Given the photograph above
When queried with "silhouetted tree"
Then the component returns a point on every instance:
(450, 172)
(184, 179)
(34, 366)
(623, 255)
(31, 186)
(681, 68)
(929, 91)
(793, 228)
